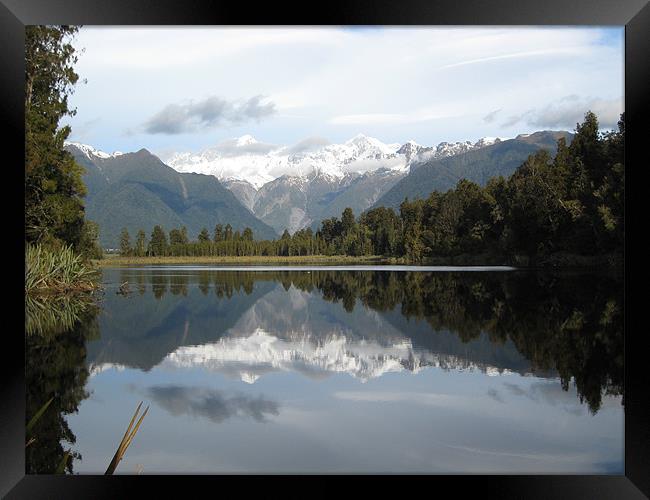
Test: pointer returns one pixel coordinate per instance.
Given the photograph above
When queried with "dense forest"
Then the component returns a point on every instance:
(569, 203)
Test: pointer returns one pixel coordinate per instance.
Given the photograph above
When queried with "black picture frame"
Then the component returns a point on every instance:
(633, 14)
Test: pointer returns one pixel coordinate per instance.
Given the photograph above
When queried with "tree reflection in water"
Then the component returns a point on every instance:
(55, 367)
(568, 322)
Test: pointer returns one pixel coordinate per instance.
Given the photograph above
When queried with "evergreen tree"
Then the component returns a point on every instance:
(54, 188)
(158, 242)
(204, 236)
(125, 242)
(347, 220)
(175, 237)
(140, 243)
(89, 241)
(218, 233)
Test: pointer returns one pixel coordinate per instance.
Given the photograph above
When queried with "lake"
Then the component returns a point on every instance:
(325, 369)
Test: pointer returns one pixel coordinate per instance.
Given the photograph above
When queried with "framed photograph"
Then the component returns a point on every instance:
(380, 239)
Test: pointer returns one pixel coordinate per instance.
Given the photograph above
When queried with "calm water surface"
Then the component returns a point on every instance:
(335, 370)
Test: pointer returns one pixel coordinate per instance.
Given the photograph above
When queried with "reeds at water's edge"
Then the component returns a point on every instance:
(60, 270)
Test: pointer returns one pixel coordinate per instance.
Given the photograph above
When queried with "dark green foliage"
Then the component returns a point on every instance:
(218, 233)
(347, 220)
(204, 236)
(140, 244)
(89, 242)
(53, 186)
(54, 210)
(125, 242)
(569, 203)
(158, 243)
(385, 229)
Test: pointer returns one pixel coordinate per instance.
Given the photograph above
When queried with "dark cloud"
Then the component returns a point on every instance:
(308, 144)
(253, 109)
(568, 111)
(489, 118)
(208, 113)
(173, 119)
(211, 404)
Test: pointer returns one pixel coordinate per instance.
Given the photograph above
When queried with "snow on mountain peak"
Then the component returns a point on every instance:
(246, 159)
(369, 144)
(359, 138)
(90, 151)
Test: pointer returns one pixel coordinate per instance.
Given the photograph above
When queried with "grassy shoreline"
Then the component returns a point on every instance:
(555, 261)
(117, 260)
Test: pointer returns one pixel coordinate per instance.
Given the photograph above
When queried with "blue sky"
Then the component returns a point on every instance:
(186, 88)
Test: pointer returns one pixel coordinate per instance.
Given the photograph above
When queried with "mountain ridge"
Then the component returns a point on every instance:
(477, 165)
(138, 191)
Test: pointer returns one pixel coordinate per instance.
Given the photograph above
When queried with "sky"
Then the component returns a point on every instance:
(186, 89)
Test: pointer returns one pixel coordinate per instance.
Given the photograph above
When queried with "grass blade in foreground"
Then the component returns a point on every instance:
(126, 440)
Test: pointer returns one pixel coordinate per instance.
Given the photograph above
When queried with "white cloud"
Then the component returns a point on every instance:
(427, 84)
(566, 112)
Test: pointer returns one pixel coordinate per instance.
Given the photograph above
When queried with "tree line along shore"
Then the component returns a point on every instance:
(561, 209)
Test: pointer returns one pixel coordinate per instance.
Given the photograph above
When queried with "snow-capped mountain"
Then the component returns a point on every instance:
(91, 152)
(292, 188)
(415, 153)
(246, 159)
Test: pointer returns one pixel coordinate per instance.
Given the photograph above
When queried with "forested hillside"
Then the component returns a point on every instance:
(479, 165)
(138, 191)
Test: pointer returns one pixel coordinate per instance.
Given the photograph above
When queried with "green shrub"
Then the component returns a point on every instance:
(57, 270)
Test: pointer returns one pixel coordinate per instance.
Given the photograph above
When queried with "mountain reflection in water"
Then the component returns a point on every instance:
(369, 323)
(251, 348)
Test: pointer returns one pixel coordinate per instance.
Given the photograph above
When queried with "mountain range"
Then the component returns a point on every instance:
(272, 188)
(293, 188)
